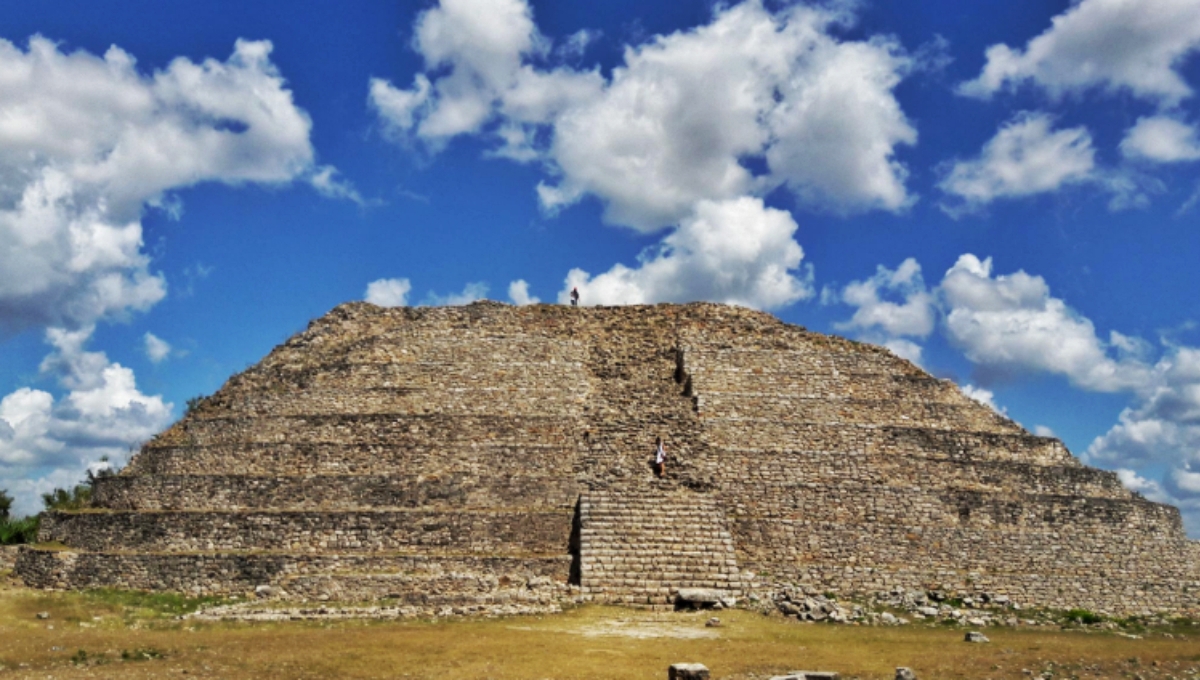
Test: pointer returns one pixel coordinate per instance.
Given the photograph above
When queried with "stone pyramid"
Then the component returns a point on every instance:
(487, 454)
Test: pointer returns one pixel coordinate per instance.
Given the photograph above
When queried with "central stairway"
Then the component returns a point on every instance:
(640, 547)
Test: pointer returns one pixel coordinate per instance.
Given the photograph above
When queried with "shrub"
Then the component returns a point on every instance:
(1084, 616)
(194, 403)
(80, 496)
(18, 531)
(62, 499)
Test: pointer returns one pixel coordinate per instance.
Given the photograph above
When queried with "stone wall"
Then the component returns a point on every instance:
(8, 556)
(462, 435)
(480, 532)
(423, 579)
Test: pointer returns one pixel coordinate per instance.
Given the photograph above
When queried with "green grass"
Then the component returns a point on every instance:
(148, 605)
(132, 635)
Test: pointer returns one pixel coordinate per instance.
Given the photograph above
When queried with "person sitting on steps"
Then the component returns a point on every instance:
(660, 457)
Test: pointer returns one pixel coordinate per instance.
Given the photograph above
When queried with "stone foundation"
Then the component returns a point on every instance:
(440, 456)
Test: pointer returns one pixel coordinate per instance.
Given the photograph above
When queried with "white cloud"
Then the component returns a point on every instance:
(157, 349)
(577, 43)
(1162, 139)
(46, 442)
(913, 315)
(1147, 487)
(388, 292)
(1011, 322)
(983, 396)
(87, 142)
(518, 292)
(1025, 157)
(905, 349)
(471, 292)
(325, 179)
(1164, 424)
(1132, 45)
(675, 121)
(1043, 431)
(1187, 500)
(736, 251)
(911, 311)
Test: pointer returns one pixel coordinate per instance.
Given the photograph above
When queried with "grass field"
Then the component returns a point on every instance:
(128, 635)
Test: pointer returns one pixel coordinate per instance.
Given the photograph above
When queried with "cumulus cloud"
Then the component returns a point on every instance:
(1164, 423)
(1044, 431)
(1161, 139)
(736, 251)
(388, 292)
(1188, 501)
(157, 349)
(890, 305)
(518, 292)
(905, 349)
(471, 292)
(1136, 46)
(913, 315)
(87, 142)
(1012, 323)
(46, 442)
(675, 121)
(1025, 157)
(983, 396)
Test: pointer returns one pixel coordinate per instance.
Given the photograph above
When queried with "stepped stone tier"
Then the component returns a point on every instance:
(470, 456)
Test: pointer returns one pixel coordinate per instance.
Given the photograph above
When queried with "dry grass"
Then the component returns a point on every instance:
(591, 642)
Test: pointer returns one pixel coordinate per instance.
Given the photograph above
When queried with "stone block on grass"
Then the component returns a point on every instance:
(687, 671)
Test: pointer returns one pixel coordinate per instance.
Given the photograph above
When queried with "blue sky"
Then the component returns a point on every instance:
(1008, 195)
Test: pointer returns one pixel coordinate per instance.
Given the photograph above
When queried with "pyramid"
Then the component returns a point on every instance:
(493, 455)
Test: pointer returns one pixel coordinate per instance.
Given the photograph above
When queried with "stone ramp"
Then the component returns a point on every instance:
(640, 547)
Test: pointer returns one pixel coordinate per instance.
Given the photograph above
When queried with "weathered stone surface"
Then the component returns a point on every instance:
(475, 456)
(8, 556)
(903, 673)
(687, 671)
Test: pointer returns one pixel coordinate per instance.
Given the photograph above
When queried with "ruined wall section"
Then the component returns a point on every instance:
(848, 468)
(400, 433)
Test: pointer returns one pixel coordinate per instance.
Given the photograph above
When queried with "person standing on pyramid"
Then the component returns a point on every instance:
(574, 297)
(660, 457)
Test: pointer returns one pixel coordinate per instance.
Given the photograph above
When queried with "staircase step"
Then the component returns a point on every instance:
(640, 547)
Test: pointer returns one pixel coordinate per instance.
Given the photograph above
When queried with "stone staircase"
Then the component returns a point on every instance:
(640, 547)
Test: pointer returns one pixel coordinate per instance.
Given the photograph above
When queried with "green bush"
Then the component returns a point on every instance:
(17, 531)
(1084, 616)
(62, 499)
(6, 502)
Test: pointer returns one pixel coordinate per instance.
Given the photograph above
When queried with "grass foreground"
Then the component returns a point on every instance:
(114, 634)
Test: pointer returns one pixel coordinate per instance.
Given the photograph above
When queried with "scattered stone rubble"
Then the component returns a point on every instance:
(898, 607)
(493, 456)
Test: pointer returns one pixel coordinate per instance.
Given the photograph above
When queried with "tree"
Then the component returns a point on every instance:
(6, 502)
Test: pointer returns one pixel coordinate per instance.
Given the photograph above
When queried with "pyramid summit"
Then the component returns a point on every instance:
(488, 454)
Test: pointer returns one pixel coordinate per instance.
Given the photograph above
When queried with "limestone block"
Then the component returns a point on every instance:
(687, 671)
